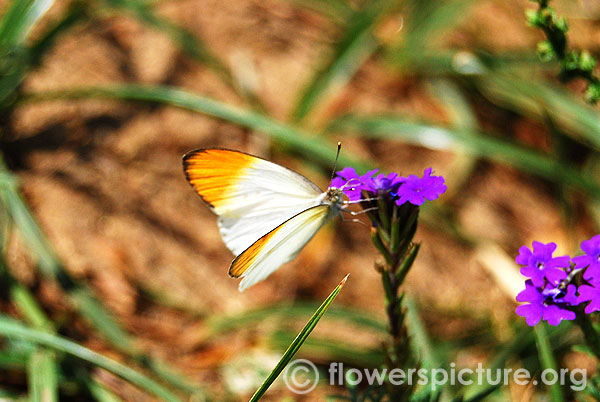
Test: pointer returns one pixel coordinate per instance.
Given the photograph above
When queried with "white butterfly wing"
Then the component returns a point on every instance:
(279, 246)
(250, 195)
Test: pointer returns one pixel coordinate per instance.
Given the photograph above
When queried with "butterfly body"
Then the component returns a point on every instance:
(266, 212)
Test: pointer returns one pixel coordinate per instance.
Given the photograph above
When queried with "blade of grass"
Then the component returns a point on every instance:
(303, 142)
(480, 395)
(422, 345)
(18, 20)
(28, 307)
(24, 301)
(4, 220)
(219, 325)
(525, 339)
(336, 10)
(481, 145)
(297, 342)
(98, 391)
(191, 44)
(50, 266)
(539, 100)
(356, 45)
(462, 117)
(40, 47)
(431, 19)
(15, 57)
(420, 340)
(42, 375)
(11, 396)
(188, 42)
(11, 328)
(325, 349)
(81, 296)
(24, 220)
(14, 358)
(548, 361)
(426, 22)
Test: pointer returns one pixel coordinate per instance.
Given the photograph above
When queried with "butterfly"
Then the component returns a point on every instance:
(266, 212)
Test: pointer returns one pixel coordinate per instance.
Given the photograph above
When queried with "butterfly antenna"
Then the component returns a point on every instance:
(337, 155)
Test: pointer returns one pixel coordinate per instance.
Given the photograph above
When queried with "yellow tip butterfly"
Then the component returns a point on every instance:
(266, 213)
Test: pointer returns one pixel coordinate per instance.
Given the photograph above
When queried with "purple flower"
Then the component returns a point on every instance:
(416, 190)
(540, 264)
(591, 259)
(590, 293)
(381, 182)
(348, 180)
(353, 184)
(549, 304)
(412, 189)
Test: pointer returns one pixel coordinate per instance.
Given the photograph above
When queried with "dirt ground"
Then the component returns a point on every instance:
(105, 181)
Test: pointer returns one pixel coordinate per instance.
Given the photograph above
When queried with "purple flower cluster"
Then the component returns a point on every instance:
(551, 288)
(412, 189)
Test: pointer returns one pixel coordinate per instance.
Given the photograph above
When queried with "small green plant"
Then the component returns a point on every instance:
(573, 63)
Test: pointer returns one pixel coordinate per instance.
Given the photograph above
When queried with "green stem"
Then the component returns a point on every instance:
(589, 332)
(548, 361)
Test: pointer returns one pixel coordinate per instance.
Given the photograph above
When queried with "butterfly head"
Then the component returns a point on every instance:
(334, 195)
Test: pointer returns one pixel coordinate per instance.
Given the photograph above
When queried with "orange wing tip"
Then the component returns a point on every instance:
(213, 173)
(237, 268)
(343, 281)
(242, 262)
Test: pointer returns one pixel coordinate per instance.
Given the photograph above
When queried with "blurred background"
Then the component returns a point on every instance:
(106, 244)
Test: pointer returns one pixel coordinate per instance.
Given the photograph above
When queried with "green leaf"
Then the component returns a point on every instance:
(29, 308)
(301, 141)
(43, 372)
(421, 344)
(426, 22)
(14, 358)
(478, 144)
(12, 329)
(538, 100)
(482, 394)
(337, 10)
(40, 47)
(331, 349)
(354, 48)
(283, 313)
(79, 294)
(192, 45)
(51, 266)
(420, 340)
(187, 41)
(18, 20)
(297, 342)
(100, 392)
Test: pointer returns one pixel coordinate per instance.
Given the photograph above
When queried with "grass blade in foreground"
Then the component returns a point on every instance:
(20, 19)
(297, 342)
(548, 361)
(79, 294)
(50, 266)
(43, 382)
(11, 328)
